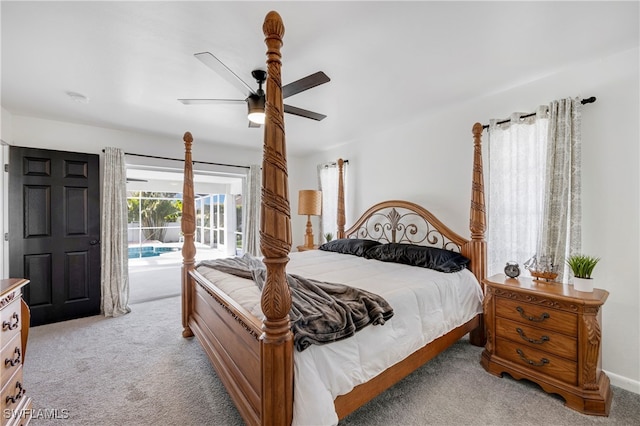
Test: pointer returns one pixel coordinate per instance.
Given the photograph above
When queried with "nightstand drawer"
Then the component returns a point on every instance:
(539, 361)
(539, 316)
(538, 338)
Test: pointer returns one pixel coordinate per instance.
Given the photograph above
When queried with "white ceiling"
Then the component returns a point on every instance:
(386, 60)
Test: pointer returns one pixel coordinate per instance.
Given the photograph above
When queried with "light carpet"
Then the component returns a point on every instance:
(139, 370)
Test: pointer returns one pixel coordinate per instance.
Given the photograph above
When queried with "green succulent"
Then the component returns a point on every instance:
(582, 265)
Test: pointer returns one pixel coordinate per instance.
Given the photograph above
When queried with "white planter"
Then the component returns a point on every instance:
(583, 284)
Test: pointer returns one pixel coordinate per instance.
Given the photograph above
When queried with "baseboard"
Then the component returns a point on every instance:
(624, 382)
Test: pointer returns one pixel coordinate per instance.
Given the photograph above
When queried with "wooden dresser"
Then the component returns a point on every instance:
(14, 316)
(550, 334)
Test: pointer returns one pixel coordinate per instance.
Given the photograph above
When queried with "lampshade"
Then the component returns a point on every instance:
(310, 202)
(255, 104)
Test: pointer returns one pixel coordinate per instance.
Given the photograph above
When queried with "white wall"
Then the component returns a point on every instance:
(428, 160)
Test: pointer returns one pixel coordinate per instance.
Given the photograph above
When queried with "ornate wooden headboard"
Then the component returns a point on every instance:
(398, 221)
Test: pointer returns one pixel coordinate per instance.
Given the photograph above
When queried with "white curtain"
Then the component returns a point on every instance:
(517, 155)
(251, 220)
(561, 229)
(328, 183)
(115, 264)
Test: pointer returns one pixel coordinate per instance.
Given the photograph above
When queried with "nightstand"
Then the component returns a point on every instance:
(550, 334)
(305, 248)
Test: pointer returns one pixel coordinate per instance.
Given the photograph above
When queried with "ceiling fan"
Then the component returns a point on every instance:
(255, 99)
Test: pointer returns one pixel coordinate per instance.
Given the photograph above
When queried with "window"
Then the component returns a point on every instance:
(210, 219)
(328, 178)
(153, 217)
(534, 188)
(517, 153)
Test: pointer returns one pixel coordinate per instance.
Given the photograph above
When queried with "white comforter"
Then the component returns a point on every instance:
(426, 304)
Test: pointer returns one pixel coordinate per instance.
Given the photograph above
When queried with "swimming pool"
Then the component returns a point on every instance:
(149, 251)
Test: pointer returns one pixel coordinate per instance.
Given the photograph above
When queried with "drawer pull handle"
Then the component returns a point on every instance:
(9, 325)
(13, 399)
(12, 362)
(537, 342)
(542, 362)
(541, 318)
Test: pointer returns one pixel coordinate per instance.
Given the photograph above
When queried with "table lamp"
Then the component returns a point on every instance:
(309, 203)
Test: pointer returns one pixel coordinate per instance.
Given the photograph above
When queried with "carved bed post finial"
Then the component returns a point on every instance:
(341, 220)
(478, 221)
(188, 227)
(275, 243)
(478, 224)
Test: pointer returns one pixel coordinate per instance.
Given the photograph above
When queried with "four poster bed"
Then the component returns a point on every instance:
(247, 332)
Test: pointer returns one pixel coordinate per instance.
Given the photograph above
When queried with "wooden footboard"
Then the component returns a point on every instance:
(230, 336)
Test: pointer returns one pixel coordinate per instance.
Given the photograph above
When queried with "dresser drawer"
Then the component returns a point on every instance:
(12, 392)
(10, 321)
(538, 361)
(539, 316)
(10, 358)
(538, 338)
(20, 415)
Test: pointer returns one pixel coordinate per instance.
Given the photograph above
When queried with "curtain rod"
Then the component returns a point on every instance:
(181, 159)
(334, 163)
(590, 100)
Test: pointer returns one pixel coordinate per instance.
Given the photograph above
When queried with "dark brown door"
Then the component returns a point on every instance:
(54, 231)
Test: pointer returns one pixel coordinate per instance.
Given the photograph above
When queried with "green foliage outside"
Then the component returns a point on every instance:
(154, 213)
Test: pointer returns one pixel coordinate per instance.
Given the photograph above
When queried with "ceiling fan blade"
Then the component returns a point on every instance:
(216, 65)
(305, 83)
(304, 113)
(211, 101)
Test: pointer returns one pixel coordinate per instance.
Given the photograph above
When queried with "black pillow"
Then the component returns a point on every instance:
(427, 257)
(354, 246)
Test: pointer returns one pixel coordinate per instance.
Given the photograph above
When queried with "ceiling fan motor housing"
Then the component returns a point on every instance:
(256, 102)
(259, 75)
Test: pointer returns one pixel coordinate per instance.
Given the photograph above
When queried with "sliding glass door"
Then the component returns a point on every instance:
(211, 220)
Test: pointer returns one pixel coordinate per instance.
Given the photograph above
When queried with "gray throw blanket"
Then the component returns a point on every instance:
(321, 312)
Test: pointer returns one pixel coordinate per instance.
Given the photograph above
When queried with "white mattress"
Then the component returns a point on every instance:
(426, 304)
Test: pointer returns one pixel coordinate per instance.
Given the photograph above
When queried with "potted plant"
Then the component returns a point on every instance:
(582, 266)
(328, 236)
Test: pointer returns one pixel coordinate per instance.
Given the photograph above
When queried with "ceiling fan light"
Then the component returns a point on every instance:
(255, 104)
(257, 117)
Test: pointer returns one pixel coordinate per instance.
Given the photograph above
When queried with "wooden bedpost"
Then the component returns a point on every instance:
(275, 243)
(478, 223)
(341, 220)
(188, 227)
